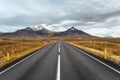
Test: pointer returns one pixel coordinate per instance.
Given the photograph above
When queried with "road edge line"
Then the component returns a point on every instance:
(98, 60)
(18, 62)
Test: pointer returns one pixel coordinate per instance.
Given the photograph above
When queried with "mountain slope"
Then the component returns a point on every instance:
(43, 32)
(72, 32)
(27, 32)
(1, 32)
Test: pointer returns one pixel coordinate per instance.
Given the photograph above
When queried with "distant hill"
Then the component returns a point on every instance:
(108, 36)
(43, 32)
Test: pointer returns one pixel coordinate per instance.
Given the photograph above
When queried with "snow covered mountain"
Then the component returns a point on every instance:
(73, 32)
(41, 31)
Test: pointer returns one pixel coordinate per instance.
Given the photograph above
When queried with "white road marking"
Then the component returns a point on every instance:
(18, 63)
(99, 61)
(58, 65)
(58, 69)
(59, 47)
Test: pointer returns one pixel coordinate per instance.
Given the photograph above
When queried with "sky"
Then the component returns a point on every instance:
(97, 17)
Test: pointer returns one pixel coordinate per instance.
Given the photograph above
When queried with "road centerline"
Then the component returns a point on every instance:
(59, 48)
(58, 65)
(58, 69)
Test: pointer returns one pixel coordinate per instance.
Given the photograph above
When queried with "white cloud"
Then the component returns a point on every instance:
(68, 22)
(103, 32)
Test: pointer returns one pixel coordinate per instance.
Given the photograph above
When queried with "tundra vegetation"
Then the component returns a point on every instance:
(97, 46)
(17, 48)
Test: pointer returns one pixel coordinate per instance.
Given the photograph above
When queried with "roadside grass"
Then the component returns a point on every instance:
(18, 48)
(97, 46)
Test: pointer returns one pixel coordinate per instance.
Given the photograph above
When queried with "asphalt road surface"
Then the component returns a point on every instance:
(60, 61)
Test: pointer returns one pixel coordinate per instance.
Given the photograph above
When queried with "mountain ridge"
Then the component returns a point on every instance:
(74, 32)
(43, 32)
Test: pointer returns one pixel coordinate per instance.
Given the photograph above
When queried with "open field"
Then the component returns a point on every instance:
(17, 48)
(97, 46)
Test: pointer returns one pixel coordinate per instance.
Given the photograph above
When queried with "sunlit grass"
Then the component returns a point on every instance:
(18, 48)
(112, 45)
(98, 45)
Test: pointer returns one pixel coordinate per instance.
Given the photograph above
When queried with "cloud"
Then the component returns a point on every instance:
(105, 32)
(85, 14)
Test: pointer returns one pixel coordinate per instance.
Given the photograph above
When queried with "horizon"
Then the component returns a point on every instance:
(37, 28)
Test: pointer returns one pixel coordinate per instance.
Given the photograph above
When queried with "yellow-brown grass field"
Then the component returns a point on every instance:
(18, 48)
(97, 46)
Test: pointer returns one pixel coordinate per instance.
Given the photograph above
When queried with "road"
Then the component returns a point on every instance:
(60, 61)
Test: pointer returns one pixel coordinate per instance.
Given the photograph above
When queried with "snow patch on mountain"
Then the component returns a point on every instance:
(53, 28)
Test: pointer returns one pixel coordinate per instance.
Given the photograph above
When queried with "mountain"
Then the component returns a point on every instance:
(27, 32)
(1, 32)
(43, 32)
(72, 32)
(57, 28)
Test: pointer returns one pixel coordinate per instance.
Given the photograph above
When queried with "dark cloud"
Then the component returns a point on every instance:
(90, 13)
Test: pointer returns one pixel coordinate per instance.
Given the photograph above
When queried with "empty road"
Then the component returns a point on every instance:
(60, 61)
